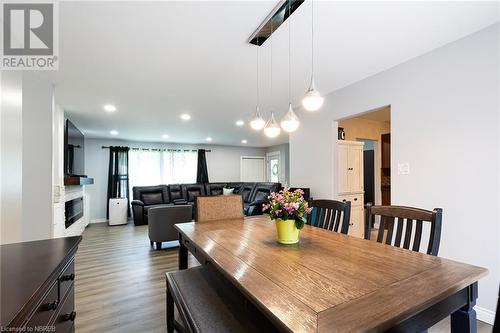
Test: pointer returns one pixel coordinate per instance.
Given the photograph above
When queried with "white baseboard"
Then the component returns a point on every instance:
(101, 220)
(485, 315)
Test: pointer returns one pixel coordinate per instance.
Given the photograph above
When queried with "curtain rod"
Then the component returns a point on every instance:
(159, 149)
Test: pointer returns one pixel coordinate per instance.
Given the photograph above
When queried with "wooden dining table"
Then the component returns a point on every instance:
(331, 282)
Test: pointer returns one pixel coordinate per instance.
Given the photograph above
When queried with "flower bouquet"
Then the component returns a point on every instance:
(289, 210)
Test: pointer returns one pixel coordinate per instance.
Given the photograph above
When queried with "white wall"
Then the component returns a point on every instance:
(11, 157)
(27, 112)
(223, 164)
(37, 159)
(445, 123)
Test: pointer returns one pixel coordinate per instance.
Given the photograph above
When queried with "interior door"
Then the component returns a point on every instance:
(343, 153)
(253, 169)
(355, 168)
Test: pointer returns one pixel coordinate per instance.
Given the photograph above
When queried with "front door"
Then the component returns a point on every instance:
(273, 167)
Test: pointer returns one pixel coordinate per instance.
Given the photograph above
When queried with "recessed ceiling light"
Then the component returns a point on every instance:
(240, 123)
(165, 136)
(208, 139)
(185, 116)
(244, 141)
(109, 108)
(113, 132)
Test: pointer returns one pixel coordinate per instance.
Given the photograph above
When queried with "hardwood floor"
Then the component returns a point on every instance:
(120, 282)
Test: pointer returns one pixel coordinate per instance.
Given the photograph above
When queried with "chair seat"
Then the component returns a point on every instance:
(205, 303)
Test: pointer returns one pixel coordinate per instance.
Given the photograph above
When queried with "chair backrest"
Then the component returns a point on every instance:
(161, 221)
(218, 207)
(330, 214)
(396, 218)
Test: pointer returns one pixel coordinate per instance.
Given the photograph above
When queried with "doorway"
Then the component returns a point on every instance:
(369, 167)
(362, 166)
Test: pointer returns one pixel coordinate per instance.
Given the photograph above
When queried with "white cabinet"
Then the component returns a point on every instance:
(350, 182)
(350, 166)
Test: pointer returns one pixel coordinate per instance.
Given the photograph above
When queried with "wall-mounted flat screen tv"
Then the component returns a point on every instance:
(74, 151)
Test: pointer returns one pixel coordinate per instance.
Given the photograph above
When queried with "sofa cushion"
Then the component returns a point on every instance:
(262, 190)
(235, 185)
(189, 191)
(152, 198)
(246, 191)
(137, 192)
(175, 192)
(214, 188)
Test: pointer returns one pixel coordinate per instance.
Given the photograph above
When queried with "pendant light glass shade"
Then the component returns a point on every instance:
(257, 122)
(290, 122)
(313, 100)
(272, 128)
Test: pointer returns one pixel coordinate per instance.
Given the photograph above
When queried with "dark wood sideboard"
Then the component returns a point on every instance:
(37, 285)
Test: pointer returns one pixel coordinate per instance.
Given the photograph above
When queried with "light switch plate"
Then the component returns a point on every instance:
(403, 168)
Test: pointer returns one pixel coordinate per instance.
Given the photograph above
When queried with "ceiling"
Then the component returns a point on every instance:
(157, 60)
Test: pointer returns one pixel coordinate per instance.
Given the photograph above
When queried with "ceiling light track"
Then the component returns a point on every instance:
(272, 22)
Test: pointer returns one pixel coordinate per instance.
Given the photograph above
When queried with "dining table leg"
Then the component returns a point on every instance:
(183, 254)
(464, 319)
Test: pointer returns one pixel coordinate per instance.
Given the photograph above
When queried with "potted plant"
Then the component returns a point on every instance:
(289, 210)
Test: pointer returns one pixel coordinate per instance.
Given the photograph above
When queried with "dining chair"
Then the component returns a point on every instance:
(393, 219)
(218, 207)
(330, 214)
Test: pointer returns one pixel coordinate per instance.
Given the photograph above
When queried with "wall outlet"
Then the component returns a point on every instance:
(403, 168)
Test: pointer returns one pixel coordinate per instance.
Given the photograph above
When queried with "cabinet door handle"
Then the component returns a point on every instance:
(344, 200)
(53, 305)
(68, 277)
(69, 316)
(355, 199)
(351, 223)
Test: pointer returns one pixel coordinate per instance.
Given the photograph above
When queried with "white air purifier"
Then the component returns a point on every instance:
(118, 211)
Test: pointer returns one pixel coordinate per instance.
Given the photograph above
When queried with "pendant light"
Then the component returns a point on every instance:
(290, 122)
(313, 100)
(257, 123)
(272, 128)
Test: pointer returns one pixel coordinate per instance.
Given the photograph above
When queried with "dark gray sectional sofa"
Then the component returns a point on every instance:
(146, 197)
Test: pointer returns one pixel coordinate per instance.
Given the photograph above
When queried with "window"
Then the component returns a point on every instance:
(150, 167)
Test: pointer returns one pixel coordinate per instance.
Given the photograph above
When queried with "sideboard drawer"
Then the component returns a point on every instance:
(47, 308)
(66, 279)
(65, 319)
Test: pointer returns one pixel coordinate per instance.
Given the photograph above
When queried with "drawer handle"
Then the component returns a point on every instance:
(344, 200)
(355, 199)
(68, 277)
(53, 305)
(69, 316)
(351, 223)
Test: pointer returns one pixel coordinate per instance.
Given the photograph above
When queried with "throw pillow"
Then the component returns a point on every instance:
(227, 191)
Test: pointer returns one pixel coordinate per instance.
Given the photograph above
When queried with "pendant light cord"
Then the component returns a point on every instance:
(271, 47)
(289, 54)
(258, 92)
(312, 38)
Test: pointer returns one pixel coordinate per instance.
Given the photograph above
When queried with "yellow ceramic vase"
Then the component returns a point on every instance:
(286, 232)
